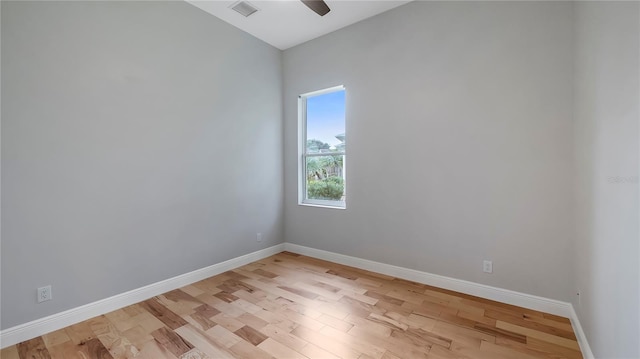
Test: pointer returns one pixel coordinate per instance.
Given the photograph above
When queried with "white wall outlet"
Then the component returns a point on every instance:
(44, 294)
(487, 266)
(258, 237)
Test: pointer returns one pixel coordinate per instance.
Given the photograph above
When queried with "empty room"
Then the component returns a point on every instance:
(320, 179)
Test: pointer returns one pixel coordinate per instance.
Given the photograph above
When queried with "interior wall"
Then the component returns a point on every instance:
(607, 101)
(459, 141)
(140, 141)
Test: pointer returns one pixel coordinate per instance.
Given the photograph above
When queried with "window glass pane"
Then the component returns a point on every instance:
(325, 122)
(325, 177)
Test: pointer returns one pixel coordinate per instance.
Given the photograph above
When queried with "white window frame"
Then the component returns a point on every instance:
(302, 154)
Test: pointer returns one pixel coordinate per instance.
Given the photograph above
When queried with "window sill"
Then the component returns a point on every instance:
(327, 204)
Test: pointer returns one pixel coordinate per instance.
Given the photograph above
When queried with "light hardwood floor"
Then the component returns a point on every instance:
(291, 306)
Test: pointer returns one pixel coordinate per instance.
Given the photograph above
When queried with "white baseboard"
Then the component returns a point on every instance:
(57, 321)
(524, 300)
(582, 338)
(479, 290)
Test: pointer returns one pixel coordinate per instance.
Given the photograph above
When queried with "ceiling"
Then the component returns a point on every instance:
(286, 23)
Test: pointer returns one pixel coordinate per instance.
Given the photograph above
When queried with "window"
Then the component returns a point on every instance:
(322, 147)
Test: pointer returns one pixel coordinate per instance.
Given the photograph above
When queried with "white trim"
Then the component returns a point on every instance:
(524, 300)
(324, 203)
(305, 204)
(302, 153)
(60, 320)
(322, 154)
(323, 92)
(302, 148)
(480, 290)
(582, 338)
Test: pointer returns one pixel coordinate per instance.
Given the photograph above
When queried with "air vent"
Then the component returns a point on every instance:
(244, 8)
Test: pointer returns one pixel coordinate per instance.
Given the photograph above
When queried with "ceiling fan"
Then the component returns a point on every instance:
(245, 8)
(318, 6)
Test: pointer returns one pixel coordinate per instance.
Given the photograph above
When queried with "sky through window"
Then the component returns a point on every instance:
(325, 117)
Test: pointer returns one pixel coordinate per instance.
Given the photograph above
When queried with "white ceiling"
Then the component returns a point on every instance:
(286, 23)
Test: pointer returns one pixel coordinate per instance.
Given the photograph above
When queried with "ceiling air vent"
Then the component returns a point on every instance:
(244, 8)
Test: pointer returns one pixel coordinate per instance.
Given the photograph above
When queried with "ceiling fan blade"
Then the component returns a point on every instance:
(320, 7)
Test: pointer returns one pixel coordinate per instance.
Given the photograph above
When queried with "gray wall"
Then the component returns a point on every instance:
(459, 141)
(140, 140)
(607, 96)
(144, 140)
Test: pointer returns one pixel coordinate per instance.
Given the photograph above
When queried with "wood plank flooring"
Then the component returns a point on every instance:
(292, 306)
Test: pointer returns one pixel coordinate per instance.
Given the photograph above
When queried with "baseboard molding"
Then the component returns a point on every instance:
(524, 300)
(582, 338)
(57, 321)
(480, 290)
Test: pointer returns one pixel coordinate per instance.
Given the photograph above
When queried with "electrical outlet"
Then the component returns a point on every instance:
(44, 294)
(487, 266)
(258, 237)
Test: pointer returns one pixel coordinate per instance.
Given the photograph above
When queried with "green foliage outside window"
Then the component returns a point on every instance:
(331, 188)
(324, 173)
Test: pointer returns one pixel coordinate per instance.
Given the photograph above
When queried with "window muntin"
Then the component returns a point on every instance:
(322, 148)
